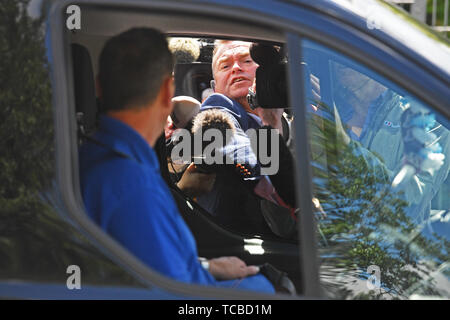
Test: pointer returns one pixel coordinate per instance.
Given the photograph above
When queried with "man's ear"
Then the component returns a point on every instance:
(167, 92)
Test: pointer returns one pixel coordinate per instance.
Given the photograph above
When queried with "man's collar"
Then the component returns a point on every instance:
(122, 138)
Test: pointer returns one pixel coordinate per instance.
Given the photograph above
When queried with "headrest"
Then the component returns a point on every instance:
(191, 79)
(85, 99)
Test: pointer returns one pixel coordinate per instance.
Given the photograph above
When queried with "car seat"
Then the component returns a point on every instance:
(86, 103)
(192, 78)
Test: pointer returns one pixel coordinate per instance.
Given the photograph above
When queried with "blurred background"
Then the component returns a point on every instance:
(432, 12)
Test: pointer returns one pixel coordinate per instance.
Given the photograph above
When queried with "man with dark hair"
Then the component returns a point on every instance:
(120, 178)
(131, 70)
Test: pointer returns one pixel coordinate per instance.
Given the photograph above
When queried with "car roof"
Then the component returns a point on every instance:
(381, 20)
(399, 47)
(393, 26)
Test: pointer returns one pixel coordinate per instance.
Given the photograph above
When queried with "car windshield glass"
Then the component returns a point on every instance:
(380, 160)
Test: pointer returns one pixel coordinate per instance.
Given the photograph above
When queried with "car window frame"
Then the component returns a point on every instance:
(67, 169)
(345, 39)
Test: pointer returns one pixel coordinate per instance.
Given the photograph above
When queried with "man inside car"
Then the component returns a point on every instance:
(121, 185)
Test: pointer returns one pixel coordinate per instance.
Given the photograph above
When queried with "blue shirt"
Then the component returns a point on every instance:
(126, 196)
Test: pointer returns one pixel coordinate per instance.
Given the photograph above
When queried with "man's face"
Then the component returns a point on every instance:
(233, 69)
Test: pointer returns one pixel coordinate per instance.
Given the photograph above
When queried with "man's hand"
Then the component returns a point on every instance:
(195, 183)
(271, 117)
(229, 268)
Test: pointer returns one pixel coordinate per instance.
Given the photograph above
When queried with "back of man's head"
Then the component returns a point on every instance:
(132, 68)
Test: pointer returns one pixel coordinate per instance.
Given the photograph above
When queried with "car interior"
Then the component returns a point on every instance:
(191, 80)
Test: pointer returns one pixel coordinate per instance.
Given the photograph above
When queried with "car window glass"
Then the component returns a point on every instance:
(380, 163)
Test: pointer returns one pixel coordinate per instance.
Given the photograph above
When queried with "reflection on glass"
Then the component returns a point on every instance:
(380, 165)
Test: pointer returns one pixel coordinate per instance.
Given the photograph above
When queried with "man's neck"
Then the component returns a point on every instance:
(244, 103)
(142, 120)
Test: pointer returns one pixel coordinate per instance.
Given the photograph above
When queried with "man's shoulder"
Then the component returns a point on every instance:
(217, 99)
(113, 171)
(226, 104)
(220, 101)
